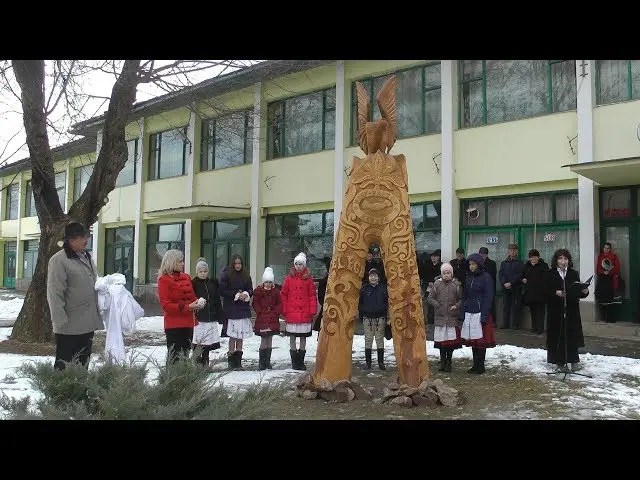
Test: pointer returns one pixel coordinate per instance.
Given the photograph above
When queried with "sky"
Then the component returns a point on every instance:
(95, 83)
(611, 393)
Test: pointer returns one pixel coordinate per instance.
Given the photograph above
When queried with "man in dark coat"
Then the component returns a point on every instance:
(460, 265)
(492, 269)
(510, 276)
(535, 276)
(428, 271)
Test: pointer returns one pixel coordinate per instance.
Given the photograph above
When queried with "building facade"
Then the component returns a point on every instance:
(541, 153)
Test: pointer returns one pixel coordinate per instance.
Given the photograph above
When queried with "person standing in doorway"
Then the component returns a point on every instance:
(510, 276)
(179, 303)
(535, 276)
(72, 298)
(607, 291)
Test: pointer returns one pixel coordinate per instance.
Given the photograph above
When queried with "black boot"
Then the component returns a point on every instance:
(230, 361)
(301, 365)
(237, 360)
(262, 360)
(381, 359)
(267, 358)
(448, 360)
(481, 354)
(367, 358)
(294, 359)
(473, 369)
(443, 360)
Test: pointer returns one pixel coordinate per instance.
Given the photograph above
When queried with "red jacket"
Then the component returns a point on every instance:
(175, 293)
(268, 306)
(614, 272)
(299, 299)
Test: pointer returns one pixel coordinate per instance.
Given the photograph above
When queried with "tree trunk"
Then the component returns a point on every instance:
(33, 324)
(34, 321)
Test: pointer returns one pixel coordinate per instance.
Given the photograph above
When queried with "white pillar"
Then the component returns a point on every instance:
(255, 264)
(586, 196)
(96, 226)
(21, 192)
(139, 238)
(341, 122)
(448, 217)
(190, 193)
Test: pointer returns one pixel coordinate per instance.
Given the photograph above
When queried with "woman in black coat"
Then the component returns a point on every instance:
(560, 287)
(534, 277)
(205, 334)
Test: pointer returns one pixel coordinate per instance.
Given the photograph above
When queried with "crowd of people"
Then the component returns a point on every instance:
(459, 296)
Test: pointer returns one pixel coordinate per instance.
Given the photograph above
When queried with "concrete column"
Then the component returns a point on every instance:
(140, 234)
(21, 194)
(189, 258)
(338, 173)
(585, 79)
(97, 255)
(450, 203)
(257, 223)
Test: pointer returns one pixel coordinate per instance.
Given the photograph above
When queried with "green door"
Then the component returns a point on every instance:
(9, 274)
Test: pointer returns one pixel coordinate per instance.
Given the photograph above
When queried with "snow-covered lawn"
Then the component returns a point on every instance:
(613, 392)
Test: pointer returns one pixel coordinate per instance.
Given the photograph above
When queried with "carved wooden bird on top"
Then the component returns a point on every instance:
(381, 134)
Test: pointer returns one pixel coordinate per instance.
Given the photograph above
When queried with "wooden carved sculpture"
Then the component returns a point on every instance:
(375, 209)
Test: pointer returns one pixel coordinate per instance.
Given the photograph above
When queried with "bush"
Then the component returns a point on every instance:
(182, 391)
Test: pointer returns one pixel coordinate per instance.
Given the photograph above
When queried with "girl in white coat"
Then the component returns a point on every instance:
(119, 311)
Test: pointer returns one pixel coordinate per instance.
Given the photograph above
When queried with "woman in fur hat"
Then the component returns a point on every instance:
(267, 304)
(299, 305)
(205, 334)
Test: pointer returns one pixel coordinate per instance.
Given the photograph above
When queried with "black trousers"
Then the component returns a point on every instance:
(71, 348)
(538, 312)
(178, 342)
(512, 299)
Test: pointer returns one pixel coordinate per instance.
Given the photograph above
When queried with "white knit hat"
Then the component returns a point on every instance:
(202, 264)
(446, 266)
(267, 276)
(300, 258)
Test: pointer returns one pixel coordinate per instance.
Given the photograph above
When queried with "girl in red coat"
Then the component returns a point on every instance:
(178, 302)
(267, 304)
(299, 305)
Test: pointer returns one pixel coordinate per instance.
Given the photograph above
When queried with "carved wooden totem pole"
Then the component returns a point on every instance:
(375, 209)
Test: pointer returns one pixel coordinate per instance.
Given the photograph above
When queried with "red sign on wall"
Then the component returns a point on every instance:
(617, 212)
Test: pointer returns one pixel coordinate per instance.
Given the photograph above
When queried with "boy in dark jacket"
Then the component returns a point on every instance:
(205, 334)
(374, 307)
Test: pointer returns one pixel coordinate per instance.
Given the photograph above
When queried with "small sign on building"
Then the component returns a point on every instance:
(549, 237)
(492, 240)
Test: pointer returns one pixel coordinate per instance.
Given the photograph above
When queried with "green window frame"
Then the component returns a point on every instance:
(175, 141)
(30, 259)
(119, 246)
(29, 201)
(12, 202)
(425, 108)
(232, 134)
(312, 131)
(158, 242)
(562, 218)
(558, 85)
(291, 233)
(427, 226)
(81, 176)
(617, 81)
(220, 239)
(127, 175)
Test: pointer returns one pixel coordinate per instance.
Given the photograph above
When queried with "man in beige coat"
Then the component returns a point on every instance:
(72, 298)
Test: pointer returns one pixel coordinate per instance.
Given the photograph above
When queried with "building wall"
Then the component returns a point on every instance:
(510, 158)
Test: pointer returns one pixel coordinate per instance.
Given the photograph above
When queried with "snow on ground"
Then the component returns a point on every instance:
(9, 310)
(612, 393)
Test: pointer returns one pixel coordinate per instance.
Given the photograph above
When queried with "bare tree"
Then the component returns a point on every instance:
(63, 81)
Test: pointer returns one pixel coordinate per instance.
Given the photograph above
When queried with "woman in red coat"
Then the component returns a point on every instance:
(267, 303)
(178, 302)
(299, 305)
